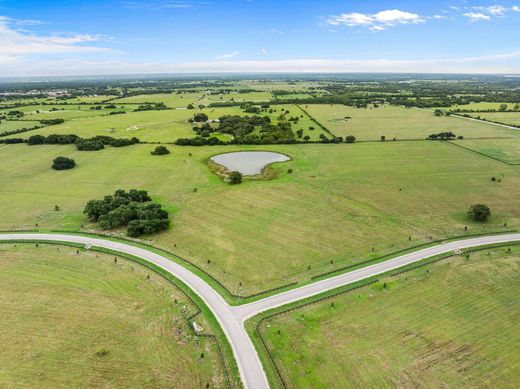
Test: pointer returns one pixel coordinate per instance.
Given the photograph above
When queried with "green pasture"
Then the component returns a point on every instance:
(340, 205)
(452, 324)
(398, 122)
(79, 320)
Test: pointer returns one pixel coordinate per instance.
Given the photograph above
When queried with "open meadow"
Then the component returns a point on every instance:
(80, 320)
(341, 203)
(511, 118)
(506, 150)
(451, 324)
(398, 122)
(148, 126)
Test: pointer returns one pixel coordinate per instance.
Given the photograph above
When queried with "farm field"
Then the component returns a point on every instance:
(81, 320)
(504, 150)
(67, 112)
(153, 126)
(172, 100)
(10, 125)
(256, 96)
(512, 118)
(342, 203)
(480, 106)
(397, 122)
(450, 324)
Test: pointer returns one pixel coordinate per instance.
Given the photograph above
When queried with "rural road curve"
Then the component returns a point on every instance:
(231, 318)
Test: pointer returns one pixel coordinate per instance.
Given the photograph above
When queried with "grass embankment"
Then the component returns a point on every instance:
(449, 324)
(82, 320)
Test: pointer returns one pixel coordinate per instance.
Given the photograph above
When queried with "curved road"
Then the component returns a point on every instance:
(231, 318)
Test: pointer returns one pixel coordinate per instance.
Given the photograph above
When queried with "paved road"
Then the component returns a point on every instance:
(232, 318)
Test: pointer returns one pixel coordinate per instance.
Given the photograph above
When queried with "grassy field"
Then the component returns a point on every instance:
(149, 126)
(10, 125)
(172, 100)
(512, 118)
(67, 112)
(502, 149)
(397, 122)
(449, 325)
(480, 106)
(81, 320)
(342, 203)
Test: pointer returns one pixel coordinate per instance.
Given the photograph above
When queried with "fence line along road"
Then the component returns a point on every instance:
(232, 318)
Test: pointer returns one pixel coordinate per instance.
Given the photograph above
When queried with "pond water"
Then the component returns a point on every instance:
(249, 163)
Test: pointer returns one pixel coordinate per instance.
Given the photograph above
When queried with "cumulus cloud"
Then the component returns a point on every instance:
(376, 22)
(477, 16)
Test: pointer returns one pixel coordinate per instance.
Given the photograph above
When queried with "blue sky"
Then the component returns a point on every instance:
(161, 36)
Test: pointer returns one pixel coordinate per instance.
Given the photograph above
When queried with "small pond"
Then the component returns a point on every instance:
(249, 163)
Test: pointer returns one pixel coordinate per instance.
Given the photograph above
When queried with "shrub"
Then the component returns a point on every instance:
(160, 150)
(479, 212)
(350, 139)
(63, 163)
(89, 145)
(235, 178)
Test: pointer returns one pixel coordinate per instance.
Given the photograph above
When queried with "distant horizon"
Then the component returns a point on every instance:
(113, 37)
(248, 74)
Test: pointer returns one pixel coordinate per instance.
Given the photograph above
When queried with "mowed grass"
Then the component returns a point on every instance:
(342, 203)
(80, 320)
(507, 150)
(449, 325)
(398, 122)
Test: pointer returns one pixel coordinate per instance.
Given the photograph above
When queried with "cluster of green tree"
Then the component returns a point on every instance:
(117, 112)
(151, 107)
(90, 144)
(440, 112)
(17, 114)
(63, 163)
(442, 136)
(200, 141)
(52, 122)
(199, 117)
(160, 150)
(130, 209)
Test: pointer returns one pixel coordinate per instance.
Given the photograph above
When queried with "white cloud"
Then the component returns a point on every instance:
(263, 51)
(496, 10)
(515, 8)
(228, 55)
(375, 22)
(158, 5)
(16, 43)
(477, 16)
(497, 63)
